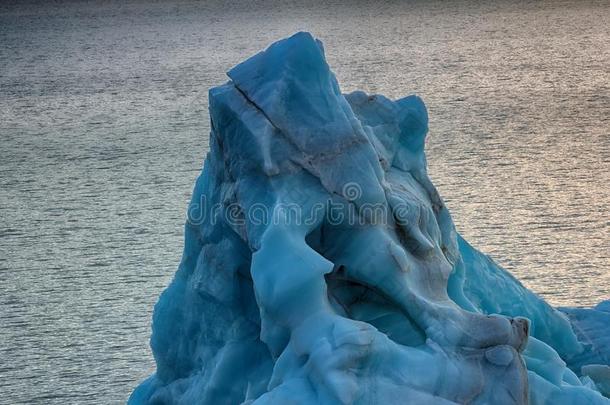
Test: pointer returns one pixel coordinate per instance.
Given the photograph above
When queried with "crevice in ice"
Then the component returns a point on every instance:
(250, 101)
(367, 304)
(355, 299)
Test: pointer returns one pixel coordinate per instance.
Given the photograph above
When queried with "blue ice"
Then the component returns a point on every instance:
(321, 266)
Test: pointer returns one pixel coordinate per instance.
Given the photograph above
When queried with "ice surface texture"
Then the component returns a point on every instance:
(321, 266)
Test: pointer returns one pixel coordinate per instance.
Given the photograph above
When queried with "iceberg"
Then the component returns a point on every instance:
(321, 266)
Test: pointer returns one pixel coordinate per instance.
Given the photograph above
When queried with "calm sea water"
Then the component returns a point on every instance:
(104, 126)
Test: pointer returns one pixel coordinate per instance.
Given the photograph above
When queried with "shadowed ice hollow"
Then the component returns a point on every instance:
(321, 266)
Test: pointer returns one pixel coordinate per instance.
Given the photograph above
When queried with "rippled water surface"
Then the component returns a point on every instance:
(104, 126)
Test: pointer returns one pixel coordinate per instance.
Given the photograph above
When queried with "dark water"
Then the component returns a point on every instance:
(103, 128)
